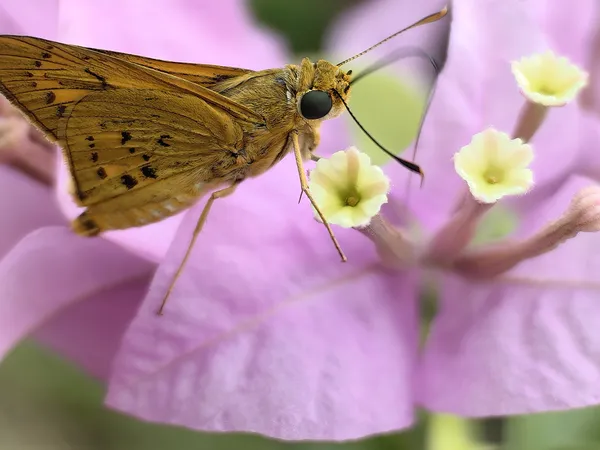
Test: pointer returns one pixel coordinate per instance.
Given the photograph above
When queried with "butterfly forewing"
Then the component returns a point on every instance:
(44, 79)
(125, 127)
(202, 74)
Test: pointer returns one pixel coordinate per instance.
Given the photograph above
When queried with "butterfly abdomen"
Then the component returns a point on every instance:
(93, 222)
(85, 225)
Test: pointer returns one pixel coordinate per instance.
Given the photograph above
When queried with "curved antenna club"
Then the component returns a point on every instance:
(409, 165)
(429, 19)
(405, 52)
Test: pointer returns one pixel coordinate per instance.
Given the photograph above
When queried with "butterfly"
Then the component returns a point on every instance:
(144, 139)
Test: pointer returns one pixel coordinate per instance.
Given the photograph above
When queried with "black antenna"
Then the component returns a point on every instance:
(429, 19)
(407, 52)
(409, 165)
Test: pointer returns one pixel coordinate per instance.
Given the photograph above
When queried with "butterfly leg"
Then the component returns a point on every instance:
(305, 190)
(316, 140)
(314, 158)
(215, 195)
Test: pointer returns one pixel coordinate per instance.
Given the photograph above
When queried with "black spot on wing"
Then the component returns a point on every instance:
(162, 142)
(101, 173)
(221, 77)
(128, 181)
(50, 97)
(126, 136)
(149, 172)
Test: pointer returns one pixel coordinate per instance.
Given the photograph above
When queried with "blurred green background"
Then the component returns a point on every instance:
(47, 403)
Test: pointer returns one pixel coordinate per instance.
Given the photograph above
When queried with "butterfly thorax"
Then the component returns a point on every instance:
(276, 94)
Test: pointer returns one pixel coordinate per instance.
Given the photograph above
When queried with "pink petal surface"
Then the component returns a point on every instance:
(589, 55)
(50, 269)
(17, 17)
(569, 28)
(507, 349)
(589, 155)
(26, 205)
(180, 30)
(520, 348)
(267, 332)
(89, 332)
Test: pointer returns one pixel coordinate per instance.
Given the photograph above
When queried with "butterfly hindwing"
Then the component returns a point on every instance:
(124, 140)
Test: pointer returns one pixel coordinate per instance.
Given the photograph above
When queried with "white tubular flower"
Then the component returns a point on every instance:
(348, 189)
(548, 79)
(494, 165)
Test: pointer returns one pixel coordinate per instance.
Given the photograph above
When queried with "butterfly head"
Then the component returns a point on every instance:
(327, 89)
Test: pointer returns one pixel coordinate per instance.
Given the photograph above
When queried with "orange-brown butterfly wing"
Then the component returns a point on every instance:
(203, 74)
(44, 79)
(141, 144)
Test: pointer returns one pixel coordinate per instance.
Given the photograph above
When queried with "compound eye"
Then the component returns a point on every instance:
(315, 104)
